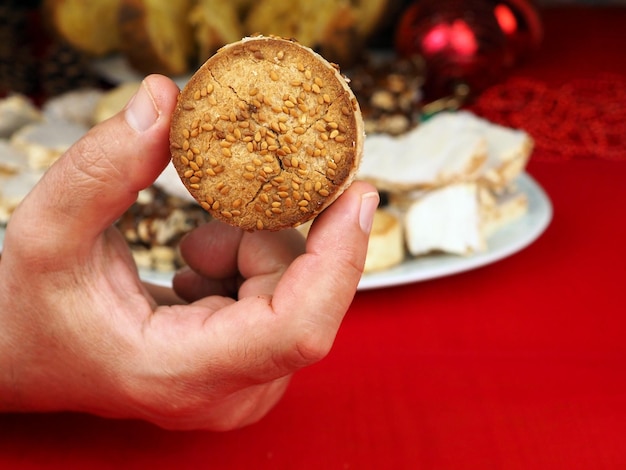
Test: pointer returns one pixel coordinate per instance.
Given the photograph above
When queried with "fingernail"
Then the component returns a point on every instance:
(369, 203)
(141, 112)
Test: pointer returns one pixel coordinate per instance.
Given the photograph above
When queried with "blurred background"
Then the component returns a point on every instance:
(48, 47)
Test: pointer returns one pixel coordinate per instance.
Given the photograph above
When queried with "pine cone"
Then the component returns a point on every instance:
(18, 64)
(64, 68)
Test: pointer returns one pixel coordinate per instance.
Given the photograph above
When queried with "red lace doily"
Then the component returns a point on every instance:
(584, 118)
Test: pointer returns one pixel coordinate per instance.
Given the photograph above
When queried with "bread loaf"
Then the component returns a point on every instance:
(88, 26)
(215, 23)
(156, 36)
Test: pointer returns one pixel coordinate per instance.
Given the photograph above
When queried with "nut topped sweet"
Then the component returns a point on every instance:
(266, 134)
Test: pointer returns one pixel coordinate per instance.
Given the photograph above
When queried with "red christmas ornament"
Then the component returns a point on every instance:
(467, 43)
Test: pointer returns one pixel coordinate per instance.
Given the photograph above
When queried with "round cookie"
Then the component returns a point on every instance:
(266, 134)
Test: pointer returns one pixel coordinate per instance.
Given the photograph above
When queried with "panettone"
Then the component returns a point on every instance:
(215, 23)
(89, 26)
(156, 36)
(175, 37)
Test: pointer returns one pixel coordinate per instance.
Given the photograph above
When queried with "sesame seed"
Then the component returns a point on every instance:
(274, 76)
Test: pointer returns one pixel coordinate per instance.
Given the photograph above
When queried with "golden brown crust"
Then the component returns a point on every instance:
(156, 36)
(266, 134)
(88, 26)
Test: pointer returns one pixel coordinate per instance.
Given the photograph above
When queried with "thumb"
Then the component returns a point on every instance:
(99, 177)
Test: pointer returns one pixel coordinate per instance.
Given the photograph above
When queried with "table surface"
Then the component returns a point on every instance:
(519, 364)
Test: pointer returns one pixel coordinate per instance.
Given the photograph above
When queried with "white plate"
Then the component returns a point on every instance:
(508, 240)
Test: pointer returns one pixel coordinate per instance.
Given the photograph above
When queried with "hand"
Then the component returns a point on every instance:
(79, 331)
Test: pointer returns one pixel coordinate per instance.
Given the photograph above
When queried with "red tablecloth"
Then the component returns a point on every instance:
(517, 365)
